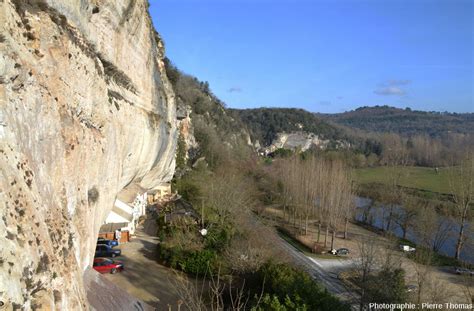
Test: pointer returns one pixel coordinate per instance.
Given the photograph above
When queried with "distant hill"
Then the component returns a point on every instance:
(265, 123)
(405, 122)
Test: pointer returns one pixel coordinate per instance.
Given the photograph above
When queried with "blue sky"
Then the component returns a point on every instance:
(325, 56)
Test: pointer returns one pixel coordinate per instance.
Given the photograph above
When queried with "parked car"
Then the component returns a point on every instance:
(106, 265)
(342, 251)
(111, 243)
(464, 271)
(407, 248)
(106, 251)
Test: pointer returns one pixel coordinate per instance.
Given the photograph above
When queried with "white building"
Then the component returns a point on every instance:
(129, 205)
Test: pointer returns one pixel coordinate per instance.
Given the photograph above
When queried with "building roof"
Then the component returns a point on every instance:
(129, 193)
(112, 227)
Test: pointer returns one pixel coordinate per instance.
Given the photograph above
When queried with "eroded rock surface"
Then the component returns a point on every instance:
(85, 109)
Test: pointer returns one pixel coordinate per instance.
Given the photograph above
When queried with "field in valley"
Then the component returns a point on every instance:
(424, 178)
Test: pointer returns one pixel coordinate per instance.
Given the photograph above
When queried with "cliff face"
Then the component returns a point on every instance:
(85, 109)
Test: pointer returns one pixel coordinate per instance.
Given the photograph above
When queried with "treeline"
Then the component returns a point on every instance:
(371, 149)
(405, 122)
(372, 137)
(316, 189)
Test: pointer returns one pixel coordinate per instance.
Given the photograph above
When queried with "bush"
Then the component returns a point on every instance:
(187, 189)
(294, 289)
(196, 263)
(199, 263)
(272, 303)
(218, 238)
(282, 153)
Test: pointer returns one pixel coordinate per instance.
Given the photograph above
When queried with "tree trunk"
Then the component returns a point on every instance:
(460, 242)
(319, 231)
(300, 227)
(345, 228)
(332, 239)
(326, 237)
(306, 225)
(389, 221)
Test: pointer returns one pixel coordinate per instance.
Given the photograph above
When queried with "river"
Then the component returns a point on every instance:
(375, 214)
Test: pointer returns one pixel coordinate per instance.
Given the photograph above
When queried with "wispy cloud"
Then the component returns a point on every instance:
(392, 87)
(235, 89)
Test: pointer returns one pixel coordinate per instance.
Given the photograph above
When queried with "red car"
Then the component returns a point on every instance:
(106, 265)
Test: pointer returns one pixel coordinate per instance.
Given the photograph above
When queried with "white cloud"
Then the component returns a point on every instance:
(392, 87)
(389, 90)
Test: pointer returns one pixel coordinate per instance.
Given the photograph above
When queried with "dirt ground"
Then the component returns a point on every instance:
(143, 276)
(445, 285)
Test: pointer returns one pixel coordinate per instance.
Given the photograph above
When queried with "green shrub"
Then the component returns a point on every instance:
(199, 263)
(295, 289)
(272, 303)
(181, 152)
(218, 238)
(187, 189)
(195, 263)
(283, 153)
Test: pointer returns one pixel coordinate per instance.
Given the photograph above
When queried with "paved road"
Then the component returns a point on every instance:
(325, 271)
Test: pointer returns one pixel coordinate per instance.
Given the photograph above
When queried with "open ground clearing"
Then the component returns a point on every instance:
(424, 178)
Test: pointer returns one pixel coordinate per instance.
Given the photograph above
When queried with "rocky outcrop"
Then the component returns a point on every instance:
(186, 131)
(85, 109)
(303, 141)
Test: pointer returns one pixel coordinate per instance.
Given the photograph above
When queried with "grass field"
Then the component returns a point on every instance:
(424, 178)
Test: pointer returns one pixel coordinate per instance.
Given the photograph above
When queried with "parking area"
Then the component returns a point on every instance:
(143, 277)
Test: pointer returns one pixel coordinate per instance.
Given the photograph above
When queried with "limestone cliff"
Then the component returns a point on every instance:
(85, 109)
(303, 141)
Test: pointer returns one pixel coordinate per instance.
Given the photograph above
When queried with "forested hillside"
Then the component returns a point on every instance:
(405, 122)
(265, 123)
(213, 127)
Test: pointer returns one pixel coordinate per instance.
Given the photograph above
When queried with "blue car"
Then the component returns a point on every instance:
(102, 241)
(106, 251)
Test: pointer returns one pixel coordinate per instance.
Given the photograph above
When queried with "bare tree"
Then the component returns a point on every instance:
(435, 291)
(396, 157)
(461, 181)
(405, 217)
(317, 189)
(421, 264)
(208, 293)
(468, 288)
(339, 197)
(432, 228)
(366, 265)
